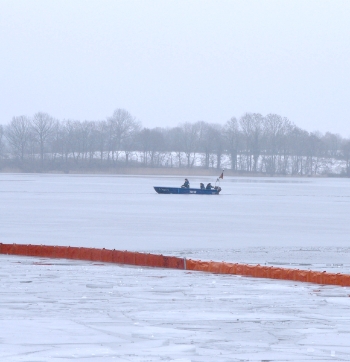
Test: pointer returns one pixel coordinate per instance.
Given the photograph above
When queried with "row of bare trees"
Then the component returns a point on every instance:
(252, 143)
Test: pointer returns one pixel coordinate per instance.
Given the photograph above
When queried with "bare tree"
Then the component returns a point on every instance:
(18, 134)
(101, 136)
(206, 141)
(252, 129)
(57, 143)
(2, 145)
(345, 150)
(333, 144)
(70, 139)
(143, 141)
(314, 148)
(216, 135)
(121, 124)
(276, 128)
(190, 140)
(298, 141)
(86, 144)
(175, 137)
(152, 143)
(129, 141)
(43, 126)
(232, 137)
(270, 144)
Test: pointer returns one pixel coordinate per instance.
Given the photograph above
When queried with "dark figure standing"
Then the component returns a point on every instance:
(202, 186)
(186, 184)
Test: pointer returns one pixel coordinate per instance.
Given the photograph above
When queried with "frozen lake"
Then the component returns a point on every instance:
(126, 213)
(256, 220)
(64, 310)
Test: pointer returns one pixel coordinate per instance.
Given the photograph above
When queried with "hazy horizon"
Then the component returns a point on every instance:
(177, 61)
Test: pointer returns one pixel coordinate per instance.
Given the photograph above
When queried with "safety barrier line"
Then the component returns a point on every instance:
(173, 262)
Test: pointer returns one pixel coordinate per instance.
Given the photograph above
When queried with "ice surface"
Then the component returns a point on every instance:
(256, 220)
(59, 310)
(126, 213)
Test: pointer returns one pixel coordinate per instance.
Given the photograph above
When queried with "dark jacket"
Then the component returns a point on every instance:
(186, 184)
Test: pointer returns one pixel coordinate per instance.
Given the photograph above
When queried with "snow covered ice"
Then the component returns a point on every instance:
(69, 310)
(126, 213)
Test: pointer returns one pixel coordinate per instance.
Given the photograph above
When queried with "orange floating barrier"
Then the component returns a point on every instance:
(160, 261)
(73, 252)
(250, 270)
(263, 271)
(141, 259)
(21, 249)
(85, 253)
(11, 250)
(214, 267)
(96, 254)
(276, 273)
(106, 256)
(156, 260)
(331, 278)
(47, 251)
(200, 265)
(191, 264)
(223, 268)
(34, 250)
(60, 252)
(287, 274)
(345, 280)
(166, 260)
(241, 269)
(302, 275)
(117, 257)
(173, 262)
(232, 268)
(6, 248)
(260, 271)
(316, 277)
(339, 279)
(177, 263)
(129, 257)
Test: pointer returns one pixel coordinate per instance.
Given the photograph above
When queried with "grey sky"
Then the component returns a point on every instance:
(168, 62)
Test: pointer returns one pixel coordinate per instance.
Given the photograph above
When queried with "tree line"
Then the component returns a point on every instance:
(253, 143)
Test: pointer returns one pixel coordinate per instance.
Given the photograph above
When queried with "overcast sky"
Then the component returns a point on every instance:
(169, 62)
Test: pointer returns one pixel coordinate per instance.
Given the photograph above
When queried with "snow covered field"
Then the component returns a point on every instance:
(67, 310)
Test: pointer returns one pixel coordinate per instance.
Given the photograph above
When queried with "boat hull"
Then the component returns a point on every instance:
(182, 190)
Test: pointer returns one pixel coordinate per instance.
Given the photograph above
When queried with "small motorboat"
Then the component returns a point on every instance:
(187, 190)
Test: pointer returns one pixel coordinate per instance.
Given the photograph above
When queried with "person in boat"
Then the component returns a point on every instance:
(202, 186)
(186, 184)
(209, 186)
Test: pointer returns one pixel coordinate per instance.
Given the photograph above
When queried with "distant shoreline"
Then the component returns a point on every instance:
(159, 171)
